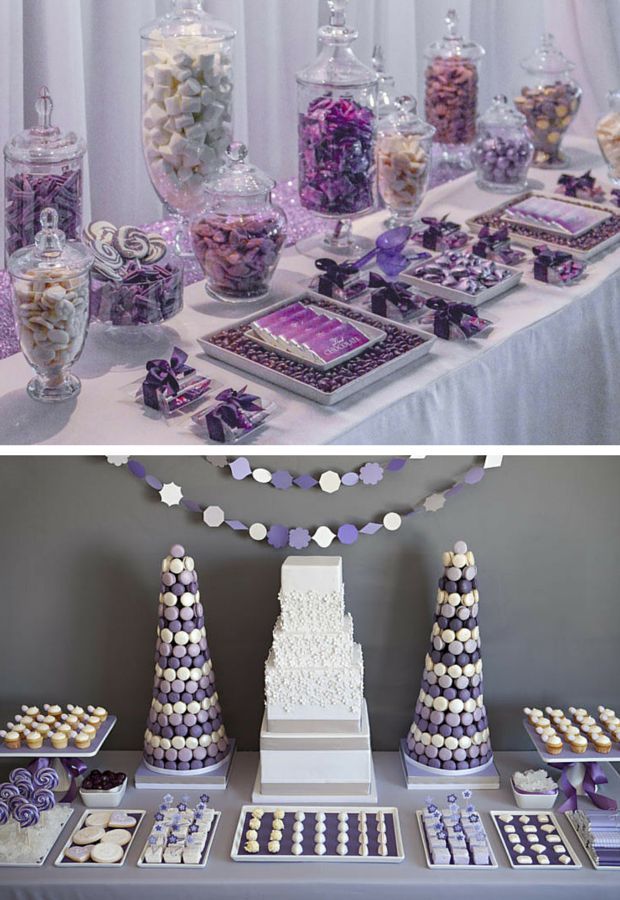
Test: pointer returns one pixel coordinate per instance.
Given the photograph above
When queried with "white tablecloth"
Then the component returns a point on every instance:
(547, 374)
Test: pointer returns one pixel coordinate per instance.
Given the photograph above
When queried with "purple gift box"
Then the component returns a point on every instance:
(556, 266)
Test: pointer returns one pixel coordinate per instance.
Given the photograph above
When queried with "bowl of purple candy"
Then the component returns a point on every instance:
(101, 790)
(136, 280)
(503, 151)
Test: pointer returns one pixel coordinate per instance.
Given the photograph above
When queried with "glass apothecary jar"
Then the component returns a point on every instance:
(50, 287)
(337, 98)
(42, 168)
(503, 150)
(386, 85)
(608, 134)
(451, 91)
(187, 106)
(404, 147)
(549, 100)
(240, 233)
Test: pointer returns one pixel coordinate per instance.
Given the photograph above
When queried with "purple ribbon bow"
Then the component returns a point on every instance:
(232, 412)
(594, 775)
(164, 376)
(335, 274)
(490, 240)
(436, 229)
(73, 766)
(449, 312)
(565, 266)
(574, 183)
(397, 293)
(615, 193)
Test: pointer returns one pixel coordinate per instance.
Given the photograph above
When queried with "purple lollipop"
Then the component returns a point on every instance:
(43, 798)
(5, 813)
(45, 778)
(20, 775)
(25, 813)
(8, 792)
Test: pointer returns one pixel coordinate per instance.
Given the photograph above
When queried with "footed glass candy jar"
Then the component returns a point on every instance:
(187, 102)
(549, 100)
(451, 78)
(240, 233)
(503, 151)
(42, 168)
(608, 134)
(404, 146)
(50, 284)
(337, 123)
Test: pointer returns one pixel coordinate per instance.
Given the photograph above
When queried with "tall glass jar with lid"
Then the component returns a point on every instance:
(451, 91)
(43, 167)
(608, 134)
(337, 97)
(503, 151)
(187, 106)
(549, 100)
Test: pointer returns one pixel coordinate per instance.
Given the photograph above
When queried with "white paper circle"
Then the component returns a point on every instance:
(323, 536)
(263, 476)
(213, 516)
(330, 482)
(392, 521)
(258, 532)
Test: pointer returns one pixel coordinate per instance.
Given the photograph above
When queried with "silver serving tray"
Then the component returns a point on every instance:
(448, 293)
(309, 391)
(513, 214)
(452, 866)
(537, 867)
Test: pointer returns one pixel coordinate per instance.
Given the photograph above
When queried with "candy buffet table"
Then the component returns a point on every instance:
(548, 372)
(228, 880)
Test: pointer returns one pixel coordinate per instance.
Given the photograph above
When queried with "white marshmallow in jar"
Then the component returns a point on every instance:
(187, 102)
(50, 290)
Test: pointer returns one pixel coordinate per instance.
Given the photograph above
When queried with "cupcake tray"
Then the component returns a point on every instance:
(69, 752)
(567, 755)
(63, 814)
(321, 387)
(589, 850)
(596, 240)
(203, 859)
(63, 861)
(396, 852)
(448, 293)
(453, 866)
(532, 816)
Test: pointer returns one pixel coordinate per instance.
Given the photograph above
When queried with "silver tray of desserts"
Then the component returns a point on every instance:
(121, 819)
(204, 858)
(460, 866)
(512, 280)
(527, 818)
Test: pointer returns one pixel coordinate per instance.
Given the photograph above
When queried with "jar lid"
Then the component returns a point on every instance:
(336, 63)
(386, 84)
(405, 118)
(547, 59)
(45, 143)
(237, 178)
(187, 18)
(50, 251)
(453, 43)
(503, 113)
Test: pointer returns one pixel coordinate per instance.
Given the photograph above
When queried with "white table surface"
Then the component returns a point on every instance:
(227, 880)
(548, 372)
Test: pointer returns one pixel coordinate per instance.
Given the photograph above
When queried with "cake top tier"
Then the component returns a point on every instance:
(316, 574)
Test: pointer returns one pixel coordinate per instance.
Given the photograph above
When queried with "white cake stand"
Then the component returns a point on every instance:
(213, 778)
(419, 776)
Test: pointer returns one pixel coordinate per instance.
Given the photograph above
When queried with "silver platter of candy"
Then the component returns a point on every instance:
(31, 846)
(598, 232)
(419, 275)
(402, 345)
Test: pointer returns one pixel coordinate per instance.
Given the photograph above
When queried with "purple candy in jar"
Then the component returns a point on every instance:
(503, 150)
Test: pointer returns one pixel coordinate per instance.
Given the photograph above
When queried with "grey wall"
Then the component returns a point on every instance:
(81, 544)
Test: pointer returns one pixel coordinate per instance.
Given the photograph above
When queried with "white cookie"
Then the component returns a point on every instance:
(107, 852)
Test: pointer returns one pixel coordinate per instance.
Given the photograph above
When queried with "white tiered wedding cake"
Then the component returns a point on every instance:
(315, 736)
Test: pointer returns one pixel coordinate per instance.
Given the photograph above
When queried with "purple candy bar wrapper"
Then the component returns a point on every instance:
(340, 342)
(301, 325)
(324, 325)
(188, 396)
(280, 315)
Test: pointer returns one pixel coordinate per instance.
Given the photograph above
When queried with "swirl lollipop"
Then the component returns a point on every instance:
(25, 813)
(43, 798)
(8, 792)
(45, 778)
(22, 779)
(5, 813)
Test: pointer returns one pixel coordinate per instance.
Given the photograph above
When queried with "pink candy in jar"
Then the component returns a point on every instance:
(240, 234)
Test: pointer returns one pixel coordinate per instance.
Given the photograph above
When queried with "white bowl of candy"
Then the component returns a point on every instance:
(103, 790)
(534, 789)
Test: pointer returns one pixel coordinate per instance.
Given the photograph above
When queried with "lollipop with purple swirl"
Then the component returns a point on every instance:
(43, 798)
(8, 792)
(24, 812)
(5, 813)
(45, 778)
(22, 779)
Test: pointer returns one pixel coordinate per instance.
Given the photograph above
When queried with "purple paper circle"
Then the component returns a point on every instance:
(277, 536)
(282, 480)
(347, 534)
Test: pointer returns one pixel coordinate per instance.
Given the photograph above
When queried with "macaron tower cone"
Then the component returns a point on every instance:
(184, 729)
(450, 729)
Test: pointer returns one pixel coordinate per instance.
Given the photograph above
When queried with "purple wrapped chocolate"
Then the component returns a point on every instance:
(496, 245)
(147, 295)
(462, 271)
(583, 187)
(337, 157)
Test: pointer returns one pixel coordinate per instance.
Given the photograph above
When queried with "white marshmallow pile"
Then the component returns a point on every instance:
(187, 120)
(52, 318)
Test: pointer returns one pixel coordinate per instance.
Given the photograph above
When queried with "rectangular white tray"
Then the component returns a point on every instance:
(453, 866)
(313, 858)
(53, 837)
(438, 290)
(567, 755)
(308, 391)
(203, 860)
(588, 851)
(69, 752)
(600, 215)
(540, 812)
(140, 813)
(525, 241)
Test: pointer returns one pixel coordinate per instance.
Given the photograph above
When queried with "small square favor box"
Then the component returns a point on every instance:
(172, 387)
(233, 416)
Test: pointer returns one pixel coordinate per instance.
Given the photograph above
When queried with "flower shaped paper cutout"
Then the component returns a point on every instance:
(171, 494)
(299, 538)
(371, 473)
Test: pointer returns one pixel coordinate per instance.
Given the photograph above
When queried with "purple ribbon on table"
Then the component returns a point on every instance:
(73, 766)
(398, 293)
(335, 274)
(232, 411)
(164, 376)
(574, 183)
(438, 229)
(593, 776)
(449, 312)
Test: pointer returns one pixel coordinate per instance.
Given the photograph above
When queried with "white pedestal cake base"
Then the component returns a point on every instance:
(326, 793)
(215, 779)
(418, 776)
